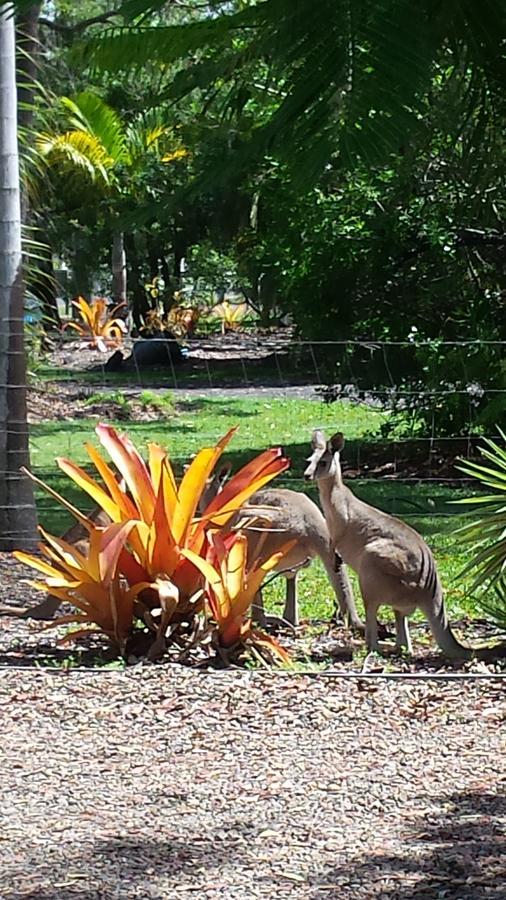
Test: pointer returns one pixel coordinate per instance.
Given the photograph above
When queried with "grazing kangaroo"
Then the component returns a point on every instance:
(393, 563)
(282, 516)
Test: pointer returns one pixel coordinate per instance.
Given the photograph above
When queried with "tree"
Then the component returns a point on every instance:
(113, 155)
(17, 507)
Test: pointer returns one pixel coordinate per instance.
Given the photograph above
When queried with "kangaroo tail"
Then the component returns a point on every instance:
(440, 627)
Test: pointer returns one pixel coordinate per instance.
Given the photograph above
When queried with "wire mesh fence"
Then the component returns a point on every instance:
(428, 402)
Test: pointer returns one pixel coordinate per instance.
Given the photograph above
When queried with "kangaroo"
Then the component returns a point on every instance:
(393, 563)
(280, 516)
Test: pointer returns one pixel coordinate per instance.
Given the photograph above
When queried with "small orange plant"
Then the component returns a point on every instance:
(155, 525)
(183, 320)
(230, 315)
(100, 328)
(91, 583)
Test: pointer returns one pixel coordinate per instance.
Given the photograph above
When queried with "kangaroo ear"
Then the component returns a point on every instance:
(318, 440)
(336, 442)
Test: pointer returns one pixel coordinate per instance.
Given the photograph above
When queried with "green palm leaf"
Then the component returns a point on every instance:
(354, 77)
(488, 532)
(91, 115)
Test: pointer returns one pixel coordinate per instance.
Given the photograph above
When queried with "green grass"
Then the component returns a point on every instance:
(200, 421)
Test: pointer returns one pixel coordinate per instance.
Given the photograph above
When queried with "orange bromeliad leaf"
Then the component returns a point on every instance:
(247, 481)
(230, 587)
(90, 583)
(132, 467)
(194, 482)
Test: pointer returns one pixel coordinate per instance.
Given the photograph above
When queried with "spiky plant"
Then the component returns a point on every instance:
(488, 531)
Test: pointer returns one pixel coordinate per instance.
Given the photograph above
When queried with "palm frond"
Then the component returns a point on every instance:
(354, 76)
(488, 532)
(91, 115)
(82, 150)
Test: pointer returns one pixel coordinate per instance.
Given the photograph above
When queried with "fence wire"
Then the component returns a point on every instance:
(363, 374)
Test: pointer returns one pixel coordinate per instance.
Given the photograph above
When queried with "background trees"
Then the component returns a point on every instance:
(344, 163)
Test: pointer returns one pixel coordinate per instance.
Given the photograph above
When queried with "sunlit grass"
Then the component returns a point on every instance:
(194, 422)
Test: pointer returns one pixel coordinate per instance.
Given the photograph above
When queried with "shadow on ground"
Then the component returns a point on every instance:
(458, 853)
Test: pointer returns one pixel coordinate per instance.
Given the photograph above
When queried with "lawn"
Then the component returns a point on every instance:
(186, 425)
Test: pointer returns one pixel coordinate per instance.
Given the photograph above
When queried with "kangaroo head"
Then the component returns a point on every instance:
(214, 485)
(324, 459)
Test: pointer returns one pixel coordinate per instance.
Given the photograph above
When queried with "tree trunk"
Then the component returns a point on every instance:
(27, 35)
(119, 269)
(40, 280)
(138, 294)
(17, 508)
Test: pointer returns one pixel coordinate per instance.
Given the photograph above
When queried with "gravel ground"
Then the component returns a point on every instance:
(165, 783)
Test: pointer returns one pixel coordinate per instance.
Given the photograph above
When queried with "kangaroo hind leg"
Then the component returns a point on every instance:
(402, 635)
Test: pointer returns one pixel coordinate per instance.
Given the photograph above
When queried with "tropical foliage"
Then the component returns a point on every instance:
(149, 563)
(230, 315)
(99, 326)
(488, 531)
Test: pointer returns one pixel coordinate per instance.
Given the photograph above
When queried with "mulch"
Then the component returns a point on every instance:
(165, 782)
(162, 782)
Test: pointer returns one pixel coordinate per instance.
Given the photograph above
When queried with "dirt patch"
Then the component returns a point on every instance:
(66, 402)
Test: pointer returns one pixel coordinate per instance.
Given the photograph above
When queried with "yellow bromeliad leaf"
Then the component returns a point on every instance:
(218, 595)
(84, 520)
(87, 484)
(132, 467)
(111, 482)
(194, 483)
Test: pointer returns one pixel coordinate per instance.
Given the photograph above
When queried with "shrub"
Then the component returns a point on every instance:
(143, 566)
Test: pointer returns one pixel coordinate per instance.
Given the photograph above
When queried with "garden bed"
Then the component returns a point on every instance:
(315, 646)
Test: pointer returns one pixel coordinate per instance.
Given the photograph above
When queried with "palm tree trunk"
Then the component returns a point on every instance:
(17, 508)
(119, 269)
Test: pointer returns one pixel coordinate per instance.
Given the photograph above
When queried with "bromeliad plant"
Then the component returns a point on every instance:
(488, 532)
(99, 327)
(142, 565)
(230, 315)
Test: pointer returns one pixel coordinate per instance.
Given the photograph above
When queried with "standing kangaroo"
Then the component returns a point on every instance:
(393, 563)
(280, 516)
